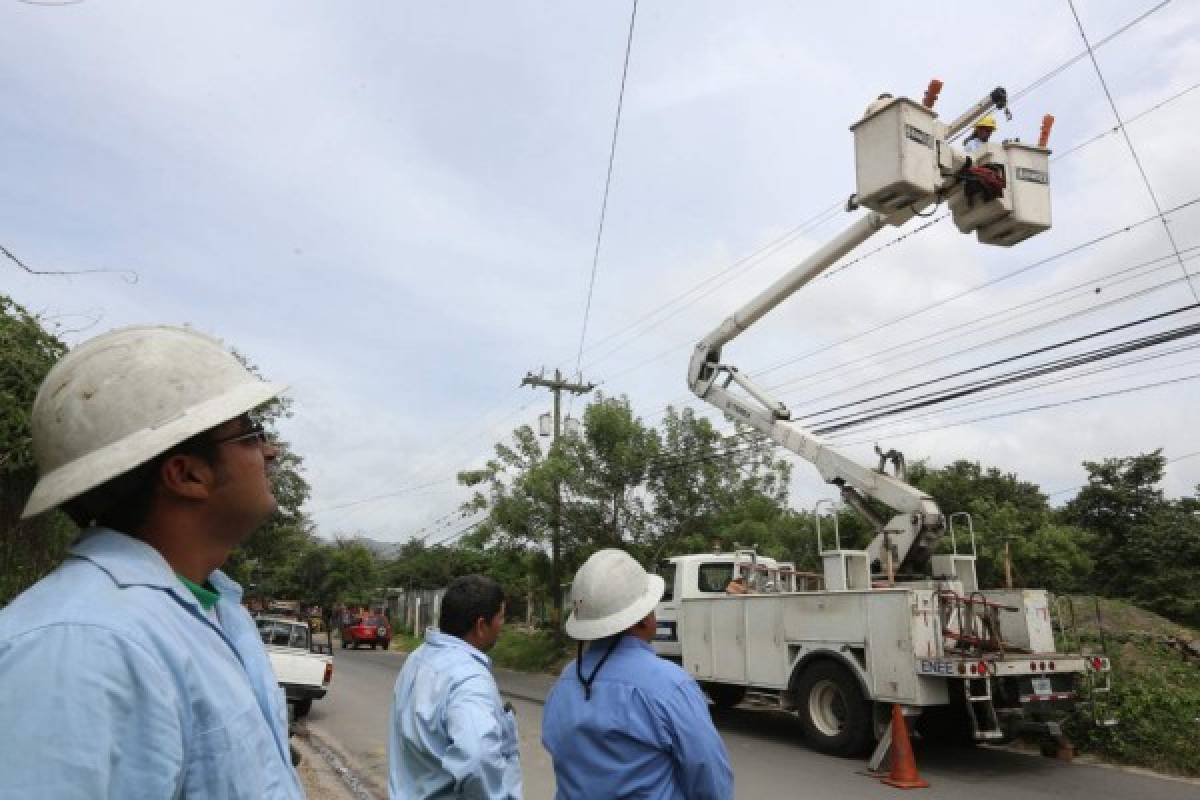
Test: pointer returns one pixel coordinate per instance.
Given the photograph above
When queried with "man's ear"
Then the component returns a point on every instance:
(187, 476)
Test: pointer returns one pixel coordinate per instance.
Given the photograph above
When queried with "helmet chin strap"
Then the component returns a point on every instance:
(587, 682)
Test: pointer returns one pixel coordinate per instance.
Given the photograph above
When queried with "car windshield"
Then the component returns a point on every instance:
(376, 621)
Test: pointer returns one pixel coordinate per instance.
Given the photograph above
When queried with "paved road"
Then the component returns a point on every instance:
(769, 758)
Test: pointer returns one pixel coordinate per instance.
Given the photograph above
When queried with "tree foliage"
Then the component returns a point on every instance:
(28, 548)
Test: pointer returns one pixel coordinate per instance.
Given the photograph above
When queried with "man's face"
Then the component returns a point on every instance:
(242, 486)
(489, 631)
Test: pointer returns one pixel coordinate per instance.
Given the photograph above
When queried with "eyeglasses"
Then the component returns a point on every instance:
(255, 432)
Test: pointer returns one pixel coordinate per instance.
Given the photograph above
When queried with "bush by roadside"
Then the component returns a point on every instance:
(517, 648)
(1156, 689)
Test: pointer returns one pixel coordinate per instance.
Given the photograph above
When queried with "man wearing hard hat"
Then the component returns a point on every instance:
(621, 722)
(132, 671)
(984, 129)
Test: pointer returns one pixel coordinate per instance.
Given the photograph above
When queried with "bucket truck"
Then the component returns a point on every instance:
(895, 623)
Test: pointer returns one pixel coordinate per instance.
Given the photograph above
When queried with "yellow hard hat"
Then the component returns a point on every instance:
(987, 122)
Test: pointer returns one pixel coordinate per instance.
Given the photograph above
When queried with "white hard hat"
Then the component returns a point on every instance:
(122, 398)
(611, 593)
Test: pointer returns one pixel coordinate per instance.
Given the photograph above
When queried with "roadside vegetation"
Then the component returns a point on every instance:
(679, 486)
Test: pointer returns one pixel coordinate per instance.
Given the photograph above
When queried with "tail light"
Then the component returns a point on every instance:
(983, 668)
(1033, 666)
(1052, 666)
(1097, 663)
(328, 673)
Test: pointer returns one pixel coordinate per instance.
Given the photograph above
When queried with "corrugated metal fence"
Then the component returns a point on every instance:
(414, 609)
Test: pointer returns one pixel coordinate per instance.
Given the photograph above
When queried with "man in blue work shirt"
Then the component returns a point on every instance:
(451, 734)
(132, 671)
(621, 722)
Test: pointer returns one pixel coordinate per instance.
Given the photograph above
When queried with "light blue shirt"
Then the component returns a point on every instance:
(451, 736)
(115, 684)
(645, 733)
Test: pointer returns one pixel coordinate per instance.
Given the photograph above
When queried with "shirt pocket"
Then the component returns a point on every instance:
(232, 761)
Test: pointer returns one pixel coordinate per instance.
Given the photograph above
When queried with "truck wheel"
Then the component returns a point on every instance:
(344, 644)
(724, 695)
(835, 716)
(373, 644)
(303, 706)
(387, 644)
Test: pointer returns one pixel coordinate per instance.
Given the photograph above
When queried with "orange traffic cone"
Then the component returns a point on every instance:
(904, 767)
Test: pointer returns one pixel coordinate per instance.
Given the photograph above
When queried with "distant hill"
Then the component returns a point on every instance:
(385, 550)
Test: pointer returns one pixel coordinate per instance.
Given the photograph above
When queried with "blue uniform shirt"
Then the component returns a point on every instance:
(450, 735)
(646, 732)
(117, 685)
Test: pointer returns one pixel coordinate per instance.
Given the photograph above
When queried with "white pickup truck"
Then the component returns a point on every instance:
(303, 669)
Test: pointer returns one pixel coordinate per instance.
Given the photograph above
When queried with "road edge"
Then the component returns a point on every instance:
(353, 776)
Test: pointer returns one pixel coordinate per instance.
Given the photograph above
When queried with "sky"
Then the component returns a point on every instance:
(393, 207)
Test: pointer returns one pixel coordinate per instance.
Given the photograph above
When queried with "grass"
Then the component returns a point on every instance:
(1155, 696)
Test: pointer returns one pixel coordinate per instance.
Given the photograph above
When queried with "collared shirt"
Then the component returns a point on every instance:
(646, 731)
(451, 735)
(117, 685)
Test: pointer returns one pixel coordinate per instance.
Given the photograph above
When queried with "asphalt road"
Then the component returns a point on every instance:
(765, 747)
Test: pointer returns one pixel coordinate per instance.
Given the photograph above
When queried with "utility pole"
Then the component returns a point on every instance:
(556, 385)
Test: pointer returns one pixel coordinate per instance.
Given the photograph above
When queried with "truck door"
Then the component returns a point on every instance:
(666, 637)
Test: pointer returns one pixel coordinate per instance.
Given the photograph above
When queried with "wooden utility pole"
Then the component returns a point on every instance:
(557, 386)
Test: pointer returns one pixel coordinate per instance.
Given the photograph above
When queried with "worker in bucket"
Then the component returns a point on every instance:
(984, 129)
(621, 722)
(132, 670)
(451, 734)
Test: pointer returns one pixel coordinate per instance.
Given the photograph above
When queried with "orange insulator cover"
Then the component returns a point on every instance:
(1047, 124)
(931, 93)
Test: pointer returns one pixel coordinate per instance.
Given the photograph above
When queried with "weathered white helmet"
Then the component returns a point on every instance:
(122, 398)
(611, 593)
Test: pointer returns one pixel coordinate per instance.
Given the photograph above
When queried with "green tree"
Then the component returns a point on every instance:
(28, 548)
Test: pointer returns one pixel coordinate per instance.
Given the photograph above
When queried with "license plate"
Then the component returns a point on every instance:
(1041, 686)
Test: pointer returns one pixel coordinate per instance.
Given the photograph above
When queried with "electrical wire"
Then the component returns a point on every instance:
(1091, 286)
(1039, 407)
(971, 290)
(1132, 150)
(612, 152)
(1025, 373)
(1128, 122)
(127, 275)
(1001, 361)
(1004, 396)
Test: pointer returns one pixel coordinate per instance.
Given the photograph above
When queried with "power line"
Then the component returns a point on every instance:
(708, 285)
(1082, 485)
(959, 295)
(1001, 397)
(1039, 407)
(1130, 121)
(1001, 361)
(1132, 150)
(1024, 373)
(127, 275)
(612, 152)
(1040, 303)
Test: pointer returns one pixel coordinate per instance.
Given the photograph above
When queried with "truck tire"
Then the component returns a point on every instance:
(303, 706)
(724, 695)
(834, 715)
(344, 644)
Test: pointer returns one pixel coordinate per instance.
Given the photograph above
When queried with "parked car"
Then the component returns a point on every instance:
(372, 629)
(302, 668)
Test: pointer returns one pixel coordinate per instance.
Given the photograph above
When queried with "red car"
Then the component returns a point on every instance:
(372, 629)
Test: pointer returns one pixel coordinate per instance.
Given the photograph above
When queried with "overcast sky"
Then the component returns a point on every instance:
(393, 207)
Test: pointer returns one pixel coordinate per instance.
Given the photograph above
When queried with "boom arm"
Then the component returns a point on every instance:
(908, 538)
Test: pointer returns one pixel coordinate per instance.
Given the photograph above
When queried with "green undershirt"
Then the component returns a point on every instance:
(205, 595)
